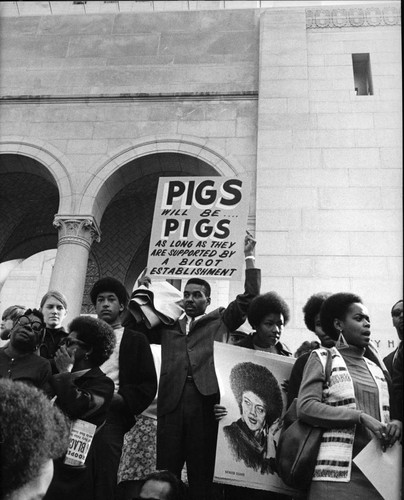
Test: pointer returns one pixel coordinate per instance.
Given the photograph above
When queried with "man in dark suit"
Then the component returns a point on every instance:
(131, 367)
(188, 390)
(397, 318)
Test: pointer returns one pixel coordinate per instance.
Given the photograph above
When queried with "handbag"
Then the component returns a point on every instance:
(299, 444)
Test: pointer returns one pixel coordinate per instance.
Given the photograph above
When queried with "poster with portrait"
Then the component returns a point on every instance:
(250, 389)
(199, 224)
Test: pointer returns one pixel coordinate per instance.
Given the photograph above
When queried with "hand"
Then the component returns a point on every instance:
(63, 360)
(219, 412)
(386, 434)
(249, 244)
(143, 279)
(275, 427)
(394, 432)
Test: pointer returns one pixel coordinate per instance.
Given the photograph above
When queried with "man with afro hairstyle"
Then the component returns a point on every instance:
(131, 367)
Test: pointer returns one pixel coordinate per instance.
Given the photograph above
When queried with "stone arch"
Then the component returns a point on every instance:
(35, 184)
(55, 162)
(121, 197)
(102, 187)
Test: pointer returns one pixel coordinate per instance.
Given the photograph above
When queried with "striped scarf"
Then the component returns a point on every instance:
(334, 459)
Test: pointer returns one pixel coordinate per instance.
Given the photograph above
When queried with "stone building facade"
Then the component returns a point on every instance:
(95, 106)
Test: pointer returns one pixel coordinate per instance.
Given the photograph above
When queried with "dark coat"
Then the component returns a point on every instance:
(247, 341)
(137, 374)
(244, 446)
(193, 353)
(86, 397)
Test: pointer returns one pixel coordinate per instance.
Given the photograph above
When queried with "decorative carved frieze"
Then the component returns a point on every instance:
(77, 230)
(353, 17)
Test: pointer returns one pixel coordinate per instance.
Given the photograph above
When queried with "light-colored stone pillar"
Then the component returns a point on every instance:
(76, 234)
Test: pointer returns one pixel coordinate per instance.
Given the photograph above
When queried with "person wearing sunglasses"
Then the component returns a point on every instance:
(18, 360)
(82, 391)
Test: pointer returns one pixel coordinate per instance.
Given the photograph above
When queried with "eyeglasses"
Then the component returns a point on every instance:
(36, 326)
(68, 342)
(396, 313)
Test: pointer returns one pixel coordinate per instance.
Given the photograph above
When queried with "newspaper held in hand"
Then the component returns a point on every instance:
(81, 436)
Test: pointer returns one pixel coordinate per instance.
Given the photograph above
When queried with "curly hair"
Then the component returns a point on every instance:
(336, 307)
(32, 431)
(97, 334)
(34, 312)
(266, 304)
(258, 379)
(312, 308)
(109, 284)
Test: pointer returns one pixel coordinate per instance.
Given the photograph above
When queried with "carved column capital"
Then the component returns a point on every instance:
(77, 230)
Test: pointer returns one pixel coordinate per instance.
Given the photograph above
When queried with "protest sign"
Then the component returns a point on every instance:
(199, 226)
(250, 389)
(81, 436)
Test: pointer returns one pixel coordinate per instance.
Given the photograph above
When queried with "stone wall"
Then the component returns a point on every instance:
(266, 93)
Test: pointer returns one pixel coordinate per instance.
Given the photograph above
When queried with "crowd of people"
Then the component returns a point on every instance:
(152, 394)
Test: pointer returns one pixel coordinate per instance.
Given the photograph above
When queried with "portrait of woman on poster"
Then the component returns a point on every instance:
(251, 437)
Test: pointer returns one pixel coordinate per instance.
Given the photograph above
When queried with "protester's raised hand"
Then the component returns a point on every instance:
(144, 280)
(249, 244)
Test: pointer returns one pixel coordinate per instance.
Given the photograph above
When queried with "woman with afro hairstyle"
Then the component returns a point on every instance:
(260, 402)
(82, 391)
(267, 314)
(311, 316)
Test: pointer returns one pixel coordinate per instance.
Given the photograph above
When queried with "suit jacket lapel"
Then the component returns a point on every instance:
(183, 322)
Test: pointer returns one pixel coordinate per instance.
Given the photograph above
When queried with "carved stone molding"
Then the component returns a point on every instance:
(353, 17)
(77, 230)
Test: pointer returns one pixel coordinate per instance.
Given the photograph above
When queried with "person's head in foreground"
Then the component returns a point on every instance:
(109, 297)
(268, 314)
(311, 316)
(258, 395)
(161, 485)
(346, 320)
(33, 432)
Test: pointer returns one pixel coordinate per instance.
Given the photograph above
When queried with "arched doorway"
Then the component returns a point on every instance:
(28, 202)
(127, 220)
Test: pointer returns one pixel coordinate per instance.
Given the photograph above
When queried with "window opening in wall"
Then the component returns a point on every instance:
(362, 74)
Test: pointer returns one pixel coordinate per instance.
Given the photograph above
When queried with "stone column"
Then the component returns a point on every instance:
(76, 234)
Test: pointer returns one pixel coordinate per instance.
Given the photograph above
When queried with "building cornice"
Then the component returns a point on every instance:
(105, 98)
